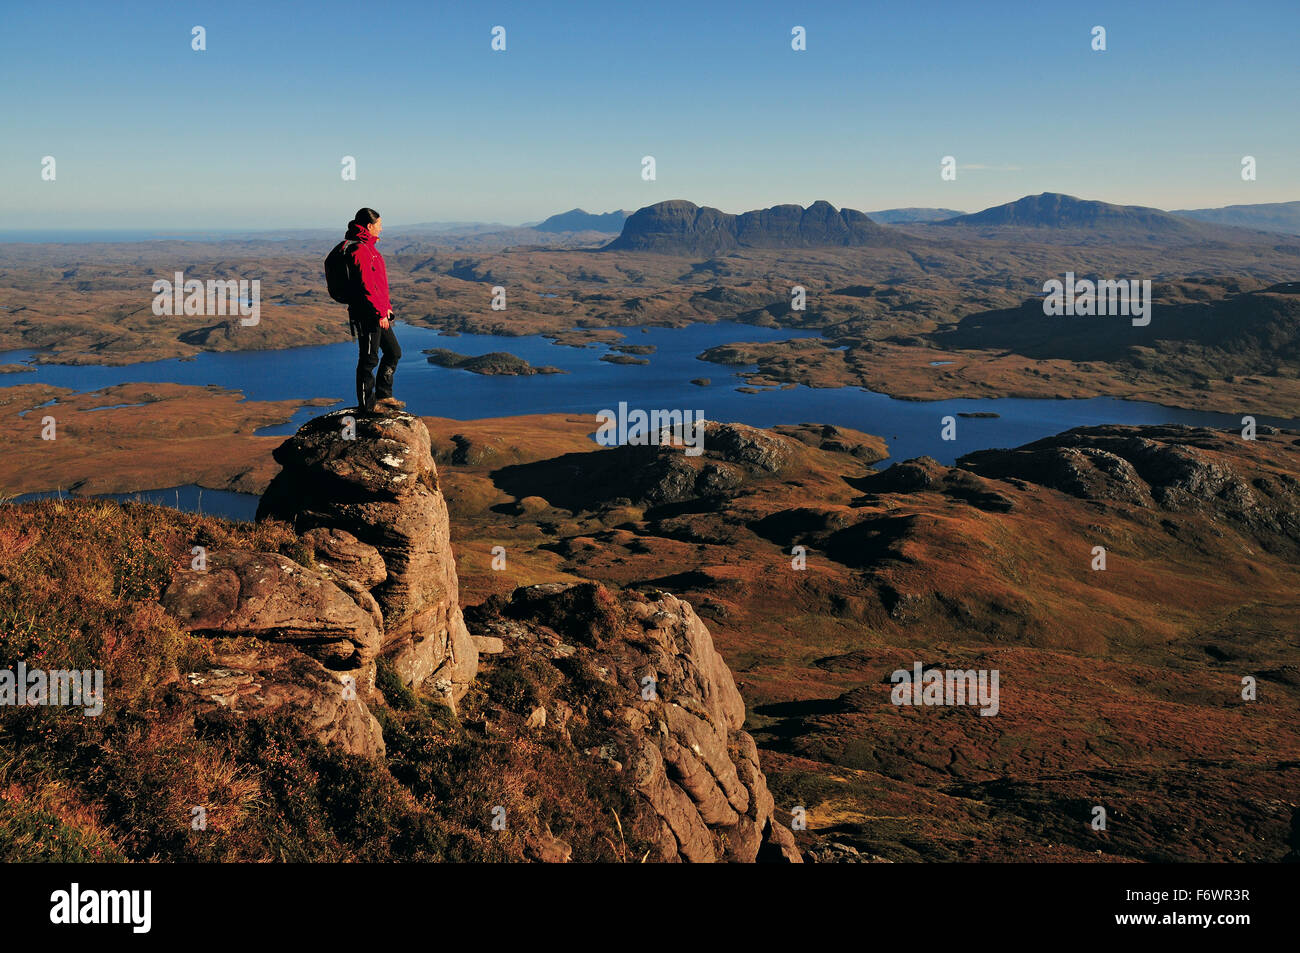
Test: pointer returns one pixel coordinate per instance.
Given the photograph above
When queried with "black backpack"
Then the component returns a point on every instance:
(340, 273)
(341, 277)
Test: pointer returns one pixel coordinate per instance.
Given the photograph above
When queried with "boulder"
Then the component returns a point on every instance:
(487, 645)
(270, 597)
(269, 680)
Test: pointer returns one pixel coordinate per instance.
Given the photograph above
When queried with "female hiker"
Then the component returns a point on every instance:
(371, 313)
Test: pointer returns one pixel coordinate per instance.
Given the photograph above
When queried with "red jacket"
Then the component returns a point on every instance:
(370, 266)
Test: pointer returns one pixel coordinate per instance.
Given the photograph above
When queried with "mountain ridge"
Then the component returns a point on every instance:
(1058, 210)
(1281, 217)
(681, 226)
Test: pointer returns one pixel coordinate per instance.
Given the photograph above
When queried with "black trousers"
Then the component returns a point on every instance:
(371, 338)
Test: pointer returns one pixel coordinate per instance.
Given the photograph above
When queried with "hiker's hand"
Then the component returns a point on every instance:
(383, 322)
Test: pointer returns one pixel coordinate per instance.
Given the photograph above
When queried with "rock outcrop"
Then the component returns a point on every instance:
(629, 683)
(362, 492)
(1173, 468)
(732, 456)
(656, 702)
(373, 478)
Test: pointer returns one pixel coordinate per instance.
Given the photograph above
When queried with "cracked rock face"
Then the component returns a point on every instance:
(665, 707)
(353, 484)
(340, 551)
(271, 597)
(266, 680)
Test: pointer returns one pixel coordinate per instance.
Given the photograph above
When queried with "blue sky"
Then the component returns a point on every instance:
(250, 133)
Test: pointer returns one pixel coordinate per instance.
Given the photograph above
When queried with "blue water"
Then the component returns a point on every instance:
(911, 428)
(328, 370)
(290, 427)
(191, 499)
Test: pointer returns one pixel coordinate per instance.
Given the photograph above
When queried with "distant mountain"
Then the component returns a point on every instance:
(903, 216)
(1270, 217)
(1054, 210)
(681, 227)
(576, 220)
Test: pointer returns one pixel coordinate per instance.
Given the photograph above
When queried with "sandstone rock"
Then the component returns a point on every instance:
(360, 595)
(270, 597)
(269, 680)
(683, 750)
(689, 656)
(778, 845)
(695, 780)
(693, 840)
(488, 645)
(363, 492)
(340, 550)
(710, 748)
(373, 478)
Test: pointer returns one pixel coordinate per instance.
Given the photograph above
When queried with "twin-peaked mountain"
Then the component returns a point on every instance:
(682, 227)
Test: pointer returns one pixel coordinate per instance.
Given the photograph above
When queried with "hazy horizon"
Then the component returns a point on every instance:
(8, 232)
